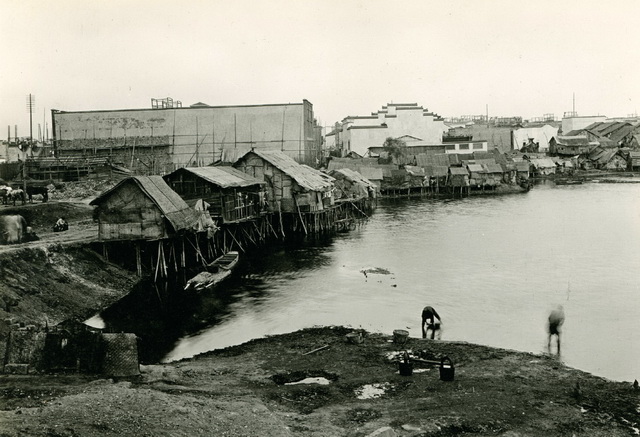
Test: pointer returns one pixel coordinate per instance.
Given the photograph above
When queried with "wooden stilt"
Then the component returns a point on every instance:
(183, 256)
(138, 260)
(237, 242)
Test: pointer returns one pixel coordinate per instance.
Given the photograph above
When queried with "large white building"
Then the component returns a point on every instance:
(575, 122)
(395, 120)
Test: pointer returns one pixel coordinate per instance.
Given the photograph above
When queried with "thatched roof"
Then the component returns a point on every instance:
(458, 171)
(175, 210)
(493, 168)
(476, 168)
(223, 176)
(307, 177)
(436, 170)
(353, 176)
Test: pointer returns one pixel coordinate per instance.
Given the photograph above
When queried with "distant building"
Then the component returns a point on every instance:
(359, 133)
(540, 135)
(574, 122)
(164, 137)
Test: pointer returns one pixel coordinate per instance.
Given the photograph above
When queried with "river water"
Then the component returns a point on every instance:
(492, 266)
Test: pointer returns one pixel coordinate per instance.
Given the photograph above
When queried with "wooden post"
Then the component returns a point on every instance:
(183, 257)
(138, 260)
(300, 214)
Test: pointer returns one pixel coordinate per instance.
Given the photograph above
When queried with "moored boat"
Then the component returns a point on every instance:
(568, 181)
(215, 272)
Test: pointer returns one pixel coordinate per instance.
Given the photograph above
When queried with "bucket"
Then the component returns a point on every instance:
(355, 337)
(406, 369)
(405, 366)
(400, 336)
(447, 370)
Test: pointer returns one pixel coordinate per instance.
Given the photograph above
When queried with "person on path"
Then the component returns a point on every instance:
(429, 315)
(556, 319)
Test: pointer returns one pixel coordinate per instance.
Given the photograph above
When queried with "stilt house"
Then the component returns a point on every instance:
(543, 166)
(523, 169)
(495, 174)
(458, 177)
(228, 193)
(143, 208)
(291, 187)
(635, 159)
(477, 175)
(352, 185)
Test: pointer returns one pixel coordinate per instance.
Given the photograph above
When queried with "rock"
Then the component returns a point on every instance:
(412, 428)
(17, 369)
(386, 431)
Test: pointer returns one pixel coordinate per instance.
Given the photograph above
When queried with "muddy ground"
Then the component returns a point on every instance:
(243, 391)
(59, 276)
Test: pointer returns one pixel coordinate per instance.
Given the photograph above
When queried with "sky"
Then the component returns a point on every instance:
(347, 57)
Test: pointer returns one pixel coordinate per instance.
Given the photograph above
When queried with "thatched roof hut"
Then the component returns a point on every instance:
(143, 208)
(291, 187)
(227, 192)
(352, 185)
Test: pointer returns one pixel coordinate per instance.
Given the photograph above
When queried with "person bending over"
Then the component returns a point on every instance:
(429, 316)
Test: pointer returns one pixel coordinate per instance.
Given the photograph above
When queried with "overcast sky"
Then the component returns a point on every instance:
(347, 57)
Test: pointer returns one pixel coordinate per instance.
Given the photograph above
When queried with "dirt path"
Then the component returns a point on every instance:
(242, 391)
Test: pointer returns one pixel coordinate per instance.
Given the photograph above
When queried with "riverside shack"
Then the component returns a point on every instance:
(290, 187)
(228, 193)
(143, 208)
(477, 175)
(458, 177)
(350, 184)
(495, 174)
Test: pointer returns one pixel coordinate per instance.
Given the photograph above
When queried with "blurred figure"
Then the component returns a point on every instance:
(429, 324)
(556, 319)
(61, 225)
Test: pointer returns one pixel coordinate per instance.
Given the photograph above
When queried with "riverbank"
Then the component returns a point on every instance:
(59, 276)
(243, 391)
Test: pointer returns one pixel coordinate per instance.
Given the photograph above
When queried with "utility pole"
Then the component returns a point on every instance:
(31, 104)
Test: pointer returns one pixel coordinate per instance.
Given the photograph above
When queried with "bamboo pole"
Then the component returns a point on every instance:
(300, 214)
(237, 242)
(138, 260)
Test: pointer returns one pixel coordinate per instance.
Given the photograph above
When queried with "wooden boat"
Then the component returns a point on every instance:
(215, 272)
(568, 181)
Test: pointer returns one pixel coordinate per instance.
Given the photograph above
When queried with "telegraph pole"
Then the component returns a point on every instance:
(31, 104)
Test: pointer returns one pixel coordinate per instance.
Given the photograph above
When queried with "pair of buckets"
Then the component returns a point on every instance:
(447, 369)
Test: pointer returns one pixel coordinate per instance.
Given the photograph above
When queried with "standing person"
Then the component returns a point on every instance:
(556, 319)
(429, 315)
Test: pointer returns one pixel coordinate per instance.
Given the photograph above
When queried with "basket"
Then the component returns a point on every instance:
(400, 336)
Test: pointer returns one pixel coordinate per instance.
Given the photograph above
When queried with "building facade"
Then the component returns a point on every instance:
(358, 133)
(158, 139)
(575, 122)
